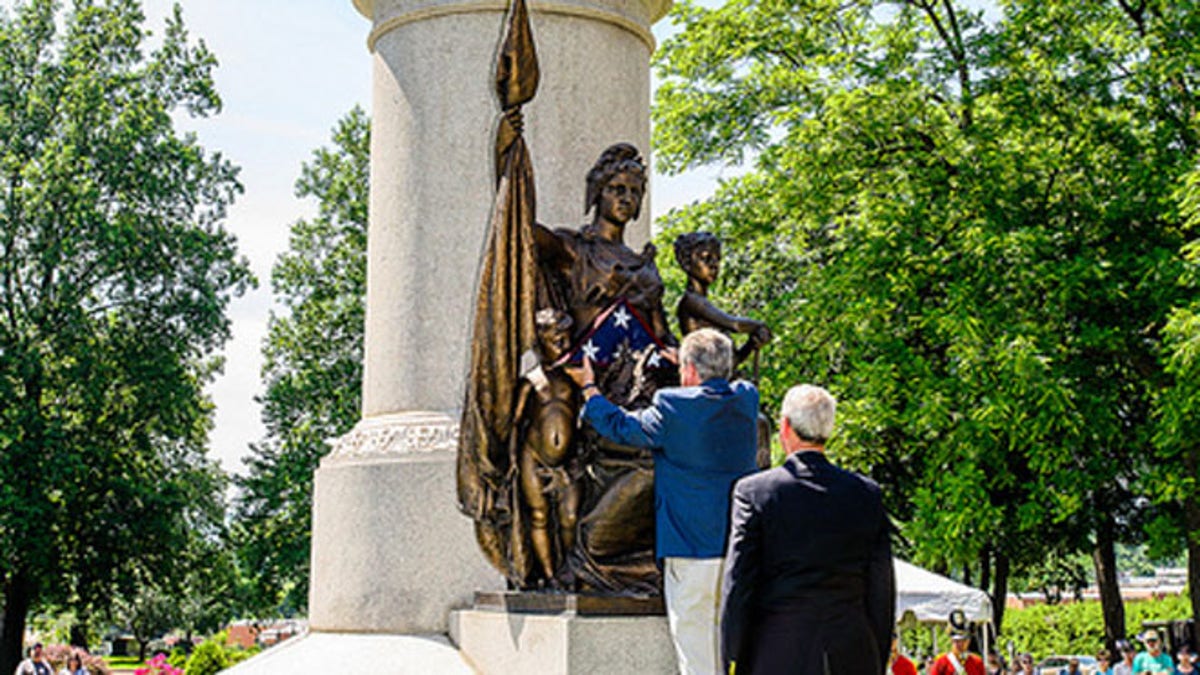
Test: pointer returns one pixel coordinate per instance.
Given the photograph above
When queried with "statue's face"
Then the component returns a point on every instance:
(555, 339)
(706, 263)
(621, 198)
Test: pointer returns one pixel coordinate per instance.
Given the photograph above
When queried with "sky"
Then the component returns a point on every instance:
(289, 70)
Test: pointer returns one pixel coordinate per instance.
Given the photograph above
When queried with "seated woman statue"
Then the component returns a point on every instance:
(589, 268)
(586, 272)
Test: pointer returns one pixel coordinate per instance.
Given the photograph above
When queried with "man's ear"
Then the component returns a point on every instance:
(688, 371)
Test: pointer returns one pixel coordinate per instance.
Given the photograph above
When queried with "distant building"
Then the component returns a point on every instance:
(1167, 581)
(246, 634)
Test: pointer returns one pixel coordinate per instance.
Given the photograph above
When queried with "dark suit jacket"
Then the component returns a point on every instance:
(809, 585)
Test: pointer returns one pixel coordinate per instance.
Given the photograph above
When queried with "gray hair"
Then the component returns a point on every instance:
(810, 410)
(710, 351)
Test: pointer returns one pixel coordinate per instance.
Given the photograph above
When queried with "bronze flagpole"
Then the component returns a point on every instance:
(504, 308)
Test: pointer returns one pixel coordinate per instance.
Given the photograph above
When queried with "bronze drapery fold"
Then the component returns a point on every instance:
(505, 304)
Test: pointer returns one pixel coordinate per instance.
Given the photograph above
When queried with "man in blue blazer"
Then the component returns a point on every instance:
(704, 438)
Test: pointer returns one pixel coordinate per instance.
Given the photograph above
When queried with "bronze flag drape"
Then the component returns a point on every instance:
(505, 303)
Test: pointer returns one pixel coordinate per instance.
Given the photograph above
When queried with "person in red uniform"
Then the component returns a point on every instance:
(899, 664)
(958, 661)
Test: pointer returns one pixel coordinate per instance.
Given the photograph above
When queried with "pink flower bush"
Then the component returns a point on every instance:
(57, 655)
(158, 666)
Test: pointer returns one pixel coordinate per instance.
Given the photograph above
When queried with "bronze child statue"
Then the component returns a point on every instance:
(699, 254)
(549, 404)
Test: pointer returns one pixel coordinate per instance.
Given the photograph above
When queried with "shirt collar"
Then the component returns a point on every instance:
(716, 384)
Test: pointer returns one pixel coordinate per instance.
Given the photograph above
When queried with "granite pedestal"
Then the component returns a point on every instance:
(507, 634)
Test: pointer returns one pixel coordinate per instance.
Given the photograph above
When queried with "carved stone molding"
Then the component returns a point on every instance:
(402, 436)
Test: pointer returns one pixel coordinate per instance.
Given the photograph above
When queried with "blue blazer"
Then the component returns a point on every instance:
(704, 438)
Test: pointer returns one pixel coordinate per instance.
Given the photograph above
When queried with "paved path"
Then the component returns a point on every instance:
(325, 653)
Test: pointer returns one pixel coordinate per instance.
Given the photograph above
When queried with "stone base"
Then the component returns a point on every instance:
(330, 653)
(570, 603)
(519, 643)
(390, 551)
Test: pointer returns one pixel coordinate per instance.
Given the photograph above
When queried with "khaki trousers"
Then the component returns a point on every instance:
(691, 589)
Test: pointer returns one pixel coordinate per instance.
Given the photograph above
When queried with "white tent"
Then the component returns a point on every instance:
(931, 597)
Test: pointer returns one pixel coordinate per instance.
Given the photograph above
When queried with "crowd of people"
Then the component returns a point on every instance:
(1153, 659)
(38, 663)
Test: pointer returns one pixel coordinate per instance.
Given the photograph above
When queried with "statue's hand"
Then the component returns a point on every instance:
(516, 119)
(761, 335)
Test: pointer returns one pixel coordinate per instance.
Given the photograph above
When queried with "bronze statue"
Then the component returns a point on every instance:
(589, 268)
(548, 467)
(556, 506)
(587, 271)
(699, 255)
(562, 508)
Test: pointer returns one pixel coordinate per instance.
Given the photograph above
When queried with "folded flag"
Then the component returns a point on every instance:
(616, 331)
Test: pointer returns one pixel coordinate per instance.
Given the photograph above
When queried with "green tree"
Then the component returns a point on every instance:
(115, 273)
(148, 614)
(208, 659)
(313, 370)
(206, 588)
(962, 223)
(1178, 409)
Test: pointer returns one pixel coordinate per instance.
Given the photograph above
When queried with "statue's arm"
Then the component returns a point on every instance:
(552, 246)
(699, 307)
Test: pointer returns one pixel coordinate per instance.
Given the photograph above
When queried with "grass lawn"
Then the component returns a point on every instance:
(123, 662)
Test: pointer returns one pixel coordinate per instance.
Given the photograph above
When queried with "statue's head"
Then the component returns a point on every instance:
(621, 158)
(699, 254)
(553, 332)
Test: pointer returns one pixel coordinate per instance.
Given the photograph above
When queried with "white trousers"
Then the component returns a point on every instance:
(692, 591)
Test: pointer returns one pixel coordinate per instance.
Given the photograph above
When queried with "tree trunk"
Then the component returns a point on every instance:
(985, 568)
(79, 632)
(142, 648)
(999, 592)
(1191, 519)
(1104, 557)
(18, 596)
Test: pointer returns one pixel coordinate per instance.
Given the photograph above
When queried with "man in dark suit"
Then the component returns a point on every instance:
(808, 586)
(704, 438)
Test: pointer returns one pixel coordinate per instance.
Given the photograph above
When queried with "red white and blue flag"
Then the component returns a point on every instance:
(616, 331)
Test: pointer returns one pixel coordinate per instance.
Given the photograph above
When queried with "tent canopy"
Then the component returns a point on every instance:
(931, 597)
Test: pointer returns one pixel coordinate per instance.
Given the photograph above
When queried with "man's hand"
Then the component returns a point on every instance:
(584, 376)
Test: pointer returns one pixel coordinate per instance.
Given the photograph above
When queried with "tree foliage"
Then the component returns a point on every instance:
(962, 219)
(1075, 628)
(115, 273)
(313, 370)
(1178, 406)
(148, 614)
